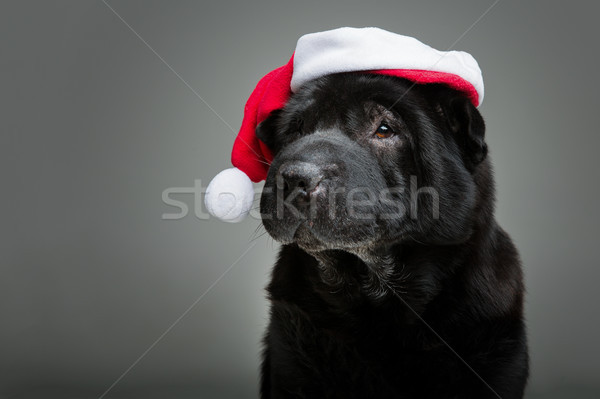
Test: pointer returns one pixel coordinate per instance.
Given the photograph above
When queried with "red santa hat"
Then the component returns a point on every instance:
(230, 194)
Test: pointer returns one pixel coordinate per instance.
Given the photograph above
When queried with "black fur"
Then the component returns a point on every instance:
(415, 300)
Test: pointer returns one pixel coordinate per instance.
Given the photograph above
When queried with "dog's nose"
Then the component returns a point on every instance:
(299, 179)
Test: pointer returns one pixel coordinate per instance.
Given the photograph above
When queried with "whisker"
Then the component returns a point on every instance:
(259, 236)
(259, 157)
(255, 236)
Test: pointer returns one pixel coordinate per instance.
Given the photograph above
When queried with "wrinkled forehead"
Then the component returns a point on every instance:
(346, 103)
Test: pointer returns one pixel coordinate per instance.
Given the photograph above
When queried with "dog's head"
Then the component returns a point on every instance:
(364, 160)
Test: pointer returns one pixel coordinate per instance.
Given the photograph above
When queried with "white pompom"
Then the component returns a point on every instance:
(229, 195)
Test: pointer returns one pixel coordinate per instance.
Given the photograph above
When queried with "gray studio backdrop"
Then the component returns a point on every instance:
(102, 297)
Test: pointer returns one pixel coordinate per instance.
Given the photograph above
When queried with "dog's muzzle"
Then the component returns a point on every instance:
(305, 195)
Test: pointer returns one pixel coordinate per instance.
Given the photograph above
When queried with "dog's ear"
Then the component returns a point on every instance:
(468, 127)
(266, 131)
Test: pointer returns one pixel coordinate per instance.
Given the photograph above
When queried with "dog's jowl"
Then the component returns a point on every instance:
(393, 280)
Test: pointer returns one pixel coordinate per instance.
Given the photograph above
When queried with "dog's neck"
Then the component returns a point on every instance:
(395, 273)
(376, 270)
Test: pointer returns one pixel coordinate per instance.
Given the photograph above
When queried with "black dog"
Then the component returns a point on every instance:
(394, 279)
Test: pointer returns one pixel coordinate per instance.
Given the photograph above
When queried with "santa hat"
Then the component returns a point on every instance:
(230, 194)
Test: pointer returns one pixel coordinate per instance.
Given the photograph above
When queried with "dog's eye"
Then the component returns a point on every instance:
(384, 131)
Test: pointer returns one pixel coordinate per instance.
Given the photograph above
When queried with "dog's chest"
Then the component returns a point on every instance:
(333, 358)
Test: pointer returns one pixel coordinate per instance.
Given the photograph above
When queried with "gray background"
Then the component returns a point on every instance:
(94, 126)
